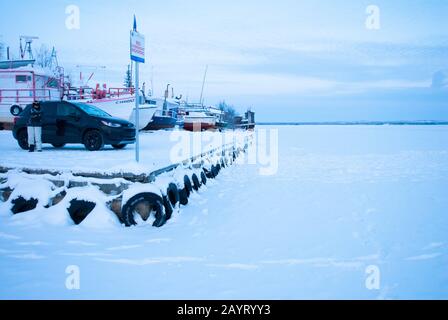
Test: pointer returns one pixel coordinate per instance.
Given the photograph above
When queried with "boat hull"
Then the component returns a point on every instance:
(199, 126)
(161, 123)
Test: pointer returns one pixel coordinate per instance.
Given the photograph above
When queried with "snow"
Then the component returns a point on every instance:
(158, 149)
(344, 198)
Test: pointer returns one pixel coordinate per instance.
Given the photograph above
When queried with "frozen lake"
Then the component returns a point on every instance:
(344, 198)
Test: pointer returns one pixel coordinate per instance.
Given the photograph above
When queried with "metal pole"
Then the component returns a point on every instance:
(165, 106)
(137, 115)
(203, 84)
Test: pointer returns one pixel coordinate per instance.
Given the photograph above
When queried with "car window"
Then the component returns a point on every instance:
(91, 110)
(49, 109)
(67, 110)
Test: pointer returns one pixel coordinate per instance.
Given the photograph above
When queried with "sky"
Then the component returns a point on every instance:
(297, 60)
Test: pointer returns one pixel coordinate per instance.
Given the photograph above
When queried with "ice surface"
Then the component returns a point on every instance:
(344, 198)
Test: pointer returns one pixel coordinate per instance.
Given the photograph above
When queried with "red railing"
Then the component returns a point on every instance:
(33, 94)
(120, 91)
(90, 93)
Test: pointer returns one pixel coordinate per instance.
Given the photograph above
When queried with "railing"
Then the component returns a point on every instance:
(33, 94)
(90, 93)
(120, 91)
(166, 113)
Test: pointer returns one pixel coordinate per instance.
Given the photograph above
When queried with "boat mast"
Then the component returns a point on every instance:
(203, 84)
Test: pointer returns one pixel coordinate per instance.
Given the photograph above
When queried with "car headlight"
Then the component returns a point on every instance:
(111, 124)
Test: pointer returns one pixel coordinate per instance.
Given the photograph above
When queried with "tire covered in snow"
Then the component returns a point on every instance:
(188, 185)
(215, 171)
(209, 173)
(203, 178)
(80, 209)
(172, 193)
(21, 204)
(144, 204)
(183, 197)
(196, 182)
(168, 208)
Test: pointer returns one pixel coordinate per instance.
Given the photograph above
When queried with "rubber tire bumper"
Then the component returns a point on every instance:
(196, 182)
(203, 178)
(153, 199)
(172, 193)
(188, 185)
(80, 209)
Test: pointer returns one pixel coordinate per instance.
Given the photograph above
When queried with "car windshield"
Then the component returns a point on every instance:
(91, 110)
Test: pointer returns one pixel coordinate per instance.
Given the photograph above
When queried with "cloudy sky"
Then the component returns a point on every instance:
(288, 60)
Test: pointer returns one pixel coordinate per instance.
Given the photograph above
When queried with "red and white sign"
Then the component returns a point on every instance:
(137, 47)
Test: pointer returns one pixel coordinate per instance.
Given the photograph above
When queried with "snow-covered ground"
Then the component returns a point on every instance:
(158, 149)
(344, 198)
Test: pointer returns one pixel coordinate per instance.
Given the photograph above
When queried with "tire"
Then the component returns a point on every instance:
(183, 197)
(196, 183)
(172, 193)
(80, 209)
(22, 139)
(168, 208)
(203, 178)
(188, 185)
(93, 140)
(58, 145)
(22, 205)
(119, 146)
(209, 173)
(15, 110)
(144, 204)
(215, 171)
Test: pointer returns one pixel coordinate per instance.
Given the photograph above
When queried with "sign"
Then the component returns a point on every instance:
(137, 47)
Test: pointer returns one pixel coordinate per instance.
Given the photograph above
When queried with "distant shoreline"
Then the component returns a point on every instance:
(356, 123)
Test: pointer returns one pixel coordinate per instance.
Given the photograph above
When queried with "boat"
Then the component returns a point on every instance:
(161, 121)
(23, 82)
(198, 121)
(158, 113)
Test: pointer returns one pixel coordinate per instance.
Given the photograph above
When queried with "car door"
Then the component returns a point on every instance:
(68, 122)
(49, 110)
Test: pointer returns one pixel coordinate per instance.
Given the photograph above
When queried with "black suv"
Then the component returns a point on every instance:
(65, 122)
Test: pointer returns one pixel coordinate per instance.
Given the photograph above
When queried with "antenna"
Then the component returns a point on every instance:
(27, 49)
(203, 84)
(152, 80)
(54, 57)
(89, 67)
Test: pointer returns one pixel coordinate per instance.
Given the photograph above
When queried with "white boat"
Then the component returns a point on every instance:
(199, 121)
(21, 85)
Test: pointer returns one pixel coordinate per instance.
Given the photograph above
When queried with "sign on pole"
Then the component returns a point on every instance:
(138, 56)
(137, 47)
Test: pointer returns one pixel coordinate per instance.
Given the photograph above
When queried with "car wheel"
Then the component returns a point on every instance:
(58, 145)
(93, 140)
(119, 146)
(22, 139)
